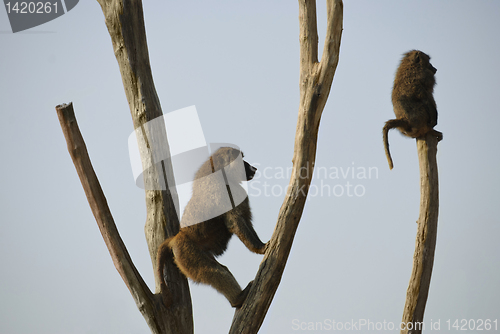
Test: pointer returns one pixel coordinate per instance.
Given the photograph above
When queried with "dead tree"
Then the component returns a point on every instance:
(425, 243)
(125, 22)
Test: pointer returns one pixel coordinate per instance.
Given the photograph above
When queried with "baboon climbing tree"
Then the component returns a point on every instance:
(168, 310)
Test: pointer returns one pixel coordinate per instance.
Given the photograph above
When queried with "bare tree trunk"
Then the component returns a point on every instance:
(315, 82)
(425, 244)
(125, 22)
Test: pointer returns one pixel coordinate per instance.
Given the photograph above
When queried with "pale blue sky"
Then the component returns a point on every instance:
(238, 62)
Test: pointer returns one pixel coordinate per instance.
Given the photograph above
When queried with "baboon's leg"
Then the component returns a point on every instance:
(202, 267)
(161, 257)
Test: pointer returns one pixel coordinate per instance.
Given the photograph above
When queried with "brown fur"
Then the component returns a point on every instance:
(412, 99)
(197, 244)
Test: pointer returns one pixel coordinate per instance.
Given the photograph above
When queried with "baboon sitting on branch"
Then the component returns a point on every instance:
(412, 99)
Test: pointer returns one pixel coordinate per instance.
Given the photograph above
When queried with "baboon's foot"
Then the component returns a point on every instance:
(243, 295)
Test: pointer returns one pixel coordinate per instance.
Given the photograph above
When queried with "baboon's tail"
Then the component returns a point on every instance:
(162, 254)
(391, 124)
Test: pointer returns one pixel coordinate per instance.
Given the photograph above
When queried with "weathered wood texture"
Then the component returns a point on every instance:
(315, 82)
(425, 244)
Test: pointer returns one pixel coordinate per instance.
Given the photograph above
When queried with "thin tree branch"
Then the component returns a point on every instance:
(313, 97)
(331, 49)
(308, 34)
(97, 201)
(425, 244)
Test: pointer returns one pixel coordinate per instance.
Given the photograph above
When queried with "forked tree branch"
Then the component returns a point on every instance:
(425, 243)
(315, 82)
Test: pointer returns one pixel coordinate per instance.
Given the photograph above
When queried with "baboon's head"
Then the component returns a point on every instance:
(416, 67)
(231, 160)
(421, 61)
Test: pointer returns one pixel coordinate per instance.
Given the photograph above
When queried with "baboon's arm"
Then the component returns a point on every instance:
(432, 113)
(249, 237)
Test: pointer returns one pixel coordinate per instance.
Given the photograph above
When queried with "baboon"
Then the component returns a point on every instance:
(204, 234)
(412, 99)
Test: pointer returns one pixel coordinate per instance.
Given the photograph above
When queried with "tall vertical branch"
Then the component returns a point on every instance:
(125, 22)
(425, 243)
(315, 82)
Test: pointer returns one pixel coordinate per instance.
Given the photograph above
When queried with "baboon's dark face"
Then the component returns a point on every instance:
(433, 69)
(426, 61)
(429, 65)
(249, 170)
